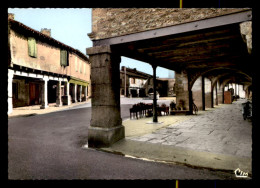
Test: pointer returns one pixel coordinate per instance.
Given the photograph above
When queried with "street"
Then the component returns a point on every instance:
(50, 146)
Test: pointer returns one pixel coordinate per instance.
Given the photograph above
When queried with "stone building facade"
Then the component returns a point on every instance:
(134, 82)
(164, 86)
(140, 84)
(42, 70)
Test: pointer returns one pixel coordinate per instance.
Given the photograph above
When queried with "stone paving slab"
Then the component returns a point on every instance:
(180, 155)
(217, 131)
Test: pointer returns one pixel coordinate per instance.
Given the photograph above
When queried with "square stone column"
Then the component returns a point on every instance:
(208, 93)
(212, 96)
(106, 124)
(220, 93)
(183, 91)
(58, 94)
(44, 94)
(197, 92)
(216, 93)
(10, 91)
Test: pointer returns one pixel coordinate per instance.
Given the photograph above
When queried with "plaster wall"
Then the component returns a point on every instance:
(48, 58)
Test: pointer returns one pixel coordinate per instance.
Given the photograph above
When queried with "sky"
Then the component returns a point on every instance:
(71, 26)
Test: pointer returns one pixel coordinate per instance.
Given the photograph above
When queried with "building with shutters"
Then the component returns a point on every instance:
(134, 83)
(42, 70)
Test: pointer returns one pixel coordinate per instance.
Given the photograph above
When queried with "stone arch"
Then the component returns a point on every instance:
(196, 75)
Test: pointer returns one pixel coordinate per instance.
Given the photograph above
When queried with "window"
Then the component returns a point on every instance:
(32, 48)
(80, 66)
(64, 58)
(132, 80)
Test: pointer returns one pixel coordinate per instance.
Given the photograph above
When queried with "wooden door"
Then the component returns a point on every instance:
(32, 93)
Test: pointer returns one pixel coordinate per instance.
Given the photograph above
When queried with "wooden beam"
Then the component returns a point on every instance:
(199, 37)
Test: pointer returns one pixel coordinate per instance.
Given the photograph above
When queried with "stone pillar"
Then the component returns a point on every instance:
(106, 124)
(220, 94)
(208, 93)
(155, 118)
(10, 91)
(203, 92)
(58, 94)
(216, 91)
(197, 93)
(80, 93)
(223, 96)
(183, 92)
(74, 93)
(84, 88)
(236, 91)
(246, 32)
(212, 95)
(68, 97)
(44, 94)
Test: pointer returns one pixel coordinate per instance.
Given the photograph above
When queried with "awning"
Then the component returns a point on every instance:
(78, 81)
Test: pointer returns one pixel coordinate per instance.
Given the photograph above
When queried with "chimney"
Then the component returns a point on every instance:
(11, 16)
(46, 31)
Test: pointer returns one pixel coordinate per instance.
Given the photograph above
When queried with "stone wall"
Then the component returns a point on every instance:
(111, 22)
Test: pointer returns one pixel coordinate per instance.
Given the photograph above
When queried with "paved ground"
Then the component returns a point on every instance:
(217, 138)
(219, 130)
(49, 146)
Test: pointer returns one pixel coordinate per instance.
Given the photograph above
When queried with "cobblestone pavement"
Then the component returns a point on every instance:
(219, 130)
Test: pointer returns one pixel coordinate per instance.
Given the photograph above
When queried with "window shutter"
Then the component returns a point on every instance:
(63, 58)
(32, 48)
